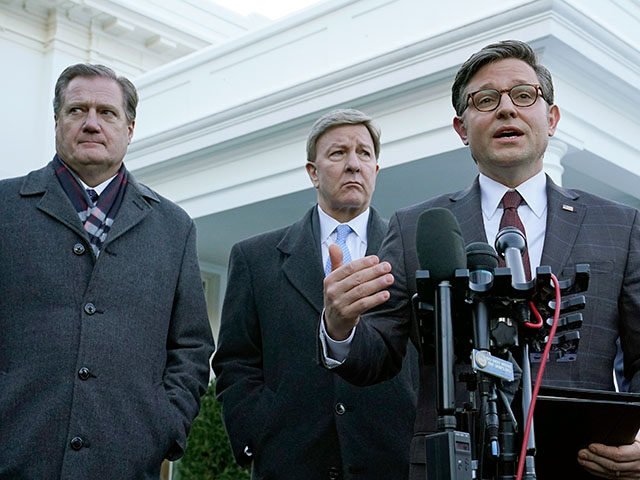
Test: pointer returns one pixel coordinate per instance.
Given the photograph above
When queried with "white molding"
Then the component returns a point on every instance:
(371, 76)
(147, 26)
(214, 52)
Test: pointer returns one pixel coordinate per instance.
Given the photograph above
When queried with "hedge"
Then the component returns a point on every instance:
(208, 454)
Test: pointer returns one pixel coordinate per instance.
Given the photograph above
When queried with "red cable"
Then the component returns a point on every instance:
(536, 314)
(534, 396)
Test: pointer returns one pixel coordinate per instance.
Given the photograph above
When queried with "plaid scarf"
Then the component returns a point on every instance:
(97, 218)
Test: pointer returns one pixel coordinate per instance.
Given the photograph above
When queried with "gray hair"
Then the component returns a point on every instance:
(129, 93)
(493, 53)
(336, 118)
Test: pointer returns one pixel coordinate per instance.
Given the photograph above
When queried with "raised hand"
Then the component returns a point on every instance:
(352, 289)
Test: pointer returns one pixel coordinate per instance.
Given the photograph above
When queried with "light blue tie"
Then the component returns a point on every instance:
(341, 240)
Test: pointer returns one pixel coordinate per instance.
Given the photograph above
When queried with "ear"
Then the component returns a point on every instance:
(459, 127)
(312, 170)
(553, 117)
(130, 130)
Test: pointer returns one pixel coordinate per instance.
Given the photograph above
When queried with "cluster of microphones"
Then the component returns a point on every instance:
(479, 287)
(493, 322)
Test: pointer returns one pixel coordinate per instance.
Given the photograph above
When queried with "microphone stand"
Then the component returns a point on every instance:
(446, 400)
(511, 244)
(448, 451)
(482, 260)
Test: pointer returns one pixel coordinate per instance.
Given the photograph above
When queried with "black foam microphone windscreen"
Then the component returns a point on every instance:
(481, 256)
(439, 244)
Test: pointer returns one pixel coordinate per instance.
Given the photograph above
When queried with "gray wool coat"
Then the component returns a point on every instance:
(102, 361)
(300, 420)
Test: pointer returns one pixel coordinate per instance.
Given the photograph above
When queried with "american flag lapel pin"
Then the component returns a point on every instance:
(568, 208)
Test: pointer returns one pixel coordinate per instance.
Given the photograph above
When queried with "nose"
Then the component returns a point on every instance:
(506, 108)
(91, 122)
(352, 161)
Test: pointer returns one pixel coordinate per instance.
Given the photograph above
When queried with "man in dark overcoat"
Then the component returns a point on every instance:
(283, 412)
(105, 338)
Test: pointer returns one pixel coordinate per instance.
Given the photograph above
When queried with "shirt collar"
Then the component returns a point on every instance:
(533, 191)
(357, 224)
(98, 188)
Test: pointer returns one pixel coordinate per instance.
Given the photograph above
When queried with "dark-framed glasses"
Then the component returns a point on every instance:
(488, 99)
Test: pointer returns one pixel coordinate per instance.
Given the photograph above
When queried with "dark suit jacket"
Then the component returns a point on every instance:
(276, 399)
(124, 376)
(602, 233)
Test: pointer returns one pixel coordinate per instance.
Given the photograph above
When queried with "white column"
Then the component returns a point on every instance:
(552, 161)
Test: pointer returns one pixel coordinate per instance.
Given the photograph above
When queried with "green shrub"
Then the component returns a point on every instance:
(208, 454)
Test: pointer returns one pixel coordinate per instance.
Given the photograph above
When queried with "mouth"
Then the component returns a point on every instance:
(508, 132)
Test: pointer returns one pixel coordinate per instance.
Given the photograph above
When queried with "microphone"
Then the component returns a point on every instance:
(440, 249)
(510, 245)
(481, 260)
(440, 244)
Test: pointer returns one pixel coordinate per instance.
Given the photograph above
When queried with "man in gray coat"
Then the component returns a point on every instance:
(105, 338)
(283, 412)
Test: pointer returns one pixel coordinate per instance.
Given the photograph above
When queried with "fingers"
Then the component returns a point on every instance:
(612, 462)
(597, 469)
(624, 453)
(335, 254)
(351, 290)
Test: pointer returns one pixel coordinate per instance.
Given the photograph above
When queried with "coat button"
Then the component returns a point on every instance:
(340, 409)
(90, 308)
(76, 443)
(84, 373)
(334, 473)
(78, 249)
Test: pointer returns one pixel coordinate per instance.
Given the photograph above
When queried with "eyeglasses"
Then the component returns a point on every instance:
(488, 100)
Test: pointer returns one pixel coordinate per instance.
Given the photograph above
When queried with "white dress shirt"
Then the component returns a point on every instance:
(532, 212)
(356, 240)
(98, 188)
(357, 245)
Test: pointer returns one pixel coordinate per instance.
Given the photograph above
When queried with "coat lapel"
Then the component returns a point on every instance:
(465, 205)
(564, 218)
(302, 263)
(376, 231)
(135, 206)
(54, 202)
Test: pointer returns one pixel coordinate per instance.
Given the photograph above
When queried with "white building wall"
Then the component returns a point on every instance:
(39, 38)
(24, 72)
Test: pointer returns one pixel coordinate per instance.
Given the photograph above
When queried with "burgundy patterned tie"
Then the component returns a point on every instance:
(510, 218)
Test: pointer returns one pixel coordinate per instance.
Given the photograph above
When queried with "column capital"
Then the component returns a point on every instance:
(552, 161)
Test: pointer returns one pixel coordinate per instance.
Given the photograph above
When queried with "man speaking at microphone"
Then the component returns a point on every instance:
(505, 113)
